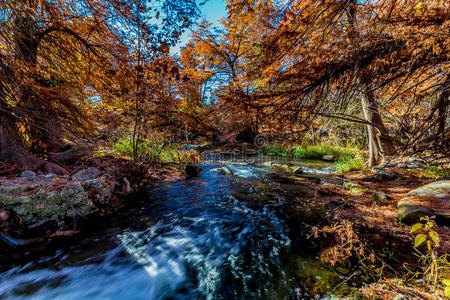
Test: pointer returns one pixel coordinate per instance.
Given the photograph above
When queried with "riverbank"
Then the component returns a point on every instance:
(39, 209)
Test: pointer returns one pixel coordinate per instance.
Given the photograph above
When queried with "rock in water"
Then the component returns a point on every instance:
(192, 170)
(431, 199)
(328, 157)
(298, 171)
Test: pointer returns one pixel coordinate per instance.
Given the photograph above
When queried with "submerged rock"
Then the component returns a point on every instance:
(192, 170)
(431, 199)
(282, 168)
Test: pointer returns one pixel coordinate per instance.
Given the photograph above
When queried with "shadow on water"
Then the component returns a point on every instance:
(215, 236)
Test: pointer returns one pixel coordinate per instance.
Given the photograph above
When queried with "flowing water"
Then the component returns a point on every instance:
(190, 239)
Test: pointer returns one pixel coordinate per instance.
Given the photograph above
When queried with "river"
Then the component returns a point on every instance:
(195, 238)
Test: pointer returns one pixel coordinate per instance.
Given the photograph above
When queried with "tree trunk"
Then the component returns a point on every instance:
(11, 147)
(443, 103)
(46, 130)
(380, 144)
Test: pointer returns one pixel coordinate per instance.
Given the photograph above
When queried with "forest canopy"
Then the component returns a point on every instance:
(73, 72)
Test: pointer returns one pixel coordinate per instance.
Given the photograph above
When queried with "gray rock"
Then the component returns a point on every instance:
(328, 157)
(389, 165)
(377, 169)
(400, 297)
(93, 184)
(30, 175)
(86, 174)
(414, 165)
(384, 175)
(48, 176)
(431, 199)
(38, 200)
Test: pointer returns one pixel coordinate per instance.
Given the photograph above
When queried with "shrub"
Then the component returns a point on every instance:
(274, 150)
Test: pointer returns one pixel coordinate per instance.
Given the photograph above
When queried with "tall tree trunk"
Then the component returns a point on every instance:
(46, 130)
(381, 146)
(443, 104)
(11, 147)
(379, 143)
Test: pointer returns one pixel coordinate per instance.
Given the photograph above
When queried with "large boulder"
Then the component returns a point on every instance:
(38, 197)
(431, 199)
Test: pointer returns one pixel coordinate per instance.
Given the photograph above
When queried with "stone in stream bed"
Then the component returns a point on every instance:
(381, 175)
(192, 170)
(431, 199)
(282, 168)
(328, 158)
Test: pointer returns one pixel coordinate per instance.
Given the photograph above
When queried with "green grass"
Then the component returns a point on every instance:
(345, 158)
(348, 162)
(435, 172)
(153, 151)
(273, 150)
(318, 151)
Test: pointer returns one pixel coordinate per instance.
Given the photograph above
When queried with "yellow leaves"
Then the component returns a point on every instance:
(416, 227)
(446, 283)
(419, 239)
(427, 235)
(419, 7)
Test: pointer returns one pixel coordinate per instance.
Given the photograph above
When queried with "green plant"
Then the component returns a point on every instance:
(446, 283)
(154, 150)
(273, 150)
(435, 172)
(347, 163)
(124, 146)
(353, 189)
(434, 266)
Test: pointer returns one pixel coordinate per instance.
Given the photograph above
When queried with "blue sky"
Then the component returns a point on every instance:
(212, 11)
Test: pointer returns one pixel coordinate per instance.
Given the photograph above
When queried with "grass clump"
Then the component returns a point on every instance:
(274, 150)
(158, 151)
(318, 151)
(348, 162)
(345, 158)
(435, 172)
